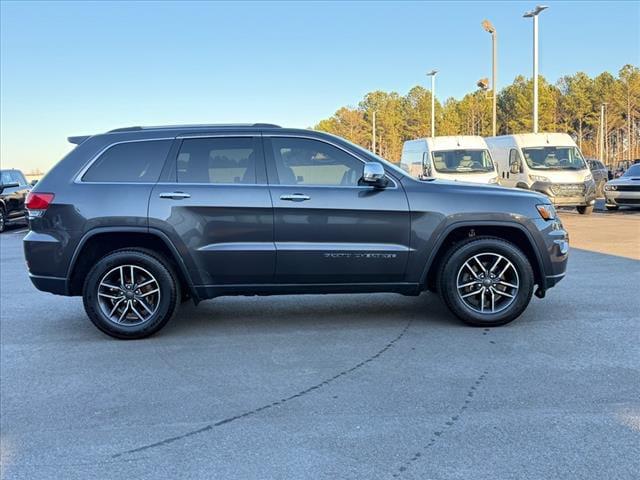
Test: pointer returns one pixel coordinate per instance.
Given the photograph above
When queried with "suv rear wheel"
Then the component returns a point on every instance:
(486, 281)
(131, 293)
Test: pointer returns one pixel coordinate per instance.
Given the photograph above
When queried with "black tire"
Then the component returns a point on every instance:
(585, 210)
(2, 220)
(453, 265)
(612, 207)
(160, 271)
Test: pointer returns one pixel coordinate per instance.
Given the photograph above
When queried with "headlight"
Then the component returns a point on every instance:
(609, 187)
(546, 211)
(493, 180)
(588, 177)
(538, 178)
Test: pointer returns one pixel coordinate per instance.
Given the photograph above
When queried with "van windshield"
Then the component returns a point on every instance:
(554, 158)
(462, 161)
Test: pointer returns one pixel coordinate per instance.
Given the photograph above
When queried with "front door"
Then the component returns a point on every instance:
(215, 205)
(328, 227)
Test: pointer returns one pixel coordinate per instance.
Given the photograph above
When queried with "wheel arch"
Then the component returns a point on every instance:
(99, 242)
(509, 231)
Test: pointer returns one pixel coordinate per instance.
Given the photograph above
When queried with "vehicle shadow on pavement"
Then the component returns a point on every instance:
(283, 312)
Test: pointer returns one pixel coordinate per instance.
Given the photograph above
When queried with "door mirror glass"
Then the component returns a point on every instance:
(373, 175)
(515, 166)
(427, 169)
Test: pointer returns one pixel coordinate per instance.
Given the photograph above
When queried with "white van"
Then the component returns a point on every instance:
(465, 158)
(549, 163)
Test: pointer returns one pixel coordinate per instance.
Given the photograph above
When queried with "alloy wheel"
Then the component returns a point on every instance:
(487, 283)
(128, 295)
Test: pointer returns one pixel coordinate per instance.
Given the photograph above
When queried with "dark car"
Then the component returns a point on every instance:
(138, 219)
(14, 188)
(600, 175)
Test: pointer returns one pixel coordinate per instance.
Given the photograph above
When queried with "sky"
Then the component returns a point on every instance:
(76, 68)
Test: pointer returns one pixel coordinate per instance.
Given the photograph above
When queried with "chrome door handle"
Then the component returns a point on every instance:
(295, 197)
(175, 195)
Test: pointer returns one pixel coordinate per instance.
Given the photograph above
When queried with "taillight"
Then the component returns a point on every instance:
(37, 203)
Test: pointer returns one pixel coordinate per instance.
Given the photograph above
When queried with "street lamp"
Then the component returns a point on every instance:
(432, 74)
(534, 14)
(488, 26)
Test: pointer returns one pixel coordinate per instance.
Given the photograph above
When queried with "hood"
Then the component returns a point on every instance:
(469, 177)
(630, 180)
(480, 189)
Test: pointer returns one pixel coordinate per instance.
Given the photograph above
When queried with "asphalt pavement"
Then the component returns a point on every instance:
(326, 387)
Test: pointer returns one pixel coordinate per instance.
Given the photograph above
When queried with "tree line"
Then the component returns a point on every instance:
(572, 105)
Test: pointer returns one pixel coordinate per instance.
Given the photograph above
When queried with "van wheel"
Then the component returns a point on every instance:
(486, 281)
(131, 293)
(585, 210)
(612, 207)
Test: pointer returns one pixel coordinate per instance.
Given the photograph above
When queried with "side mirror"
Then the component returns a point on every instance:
(373, 175)
(515, 167)
(33, 183)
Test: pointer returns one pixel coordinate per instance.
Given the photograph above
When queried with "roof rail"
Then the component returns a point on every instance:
(214, 125)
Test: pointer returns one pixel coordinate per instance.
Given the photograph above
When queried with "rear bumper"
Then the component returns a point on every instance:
(55, 285)
(47, 262)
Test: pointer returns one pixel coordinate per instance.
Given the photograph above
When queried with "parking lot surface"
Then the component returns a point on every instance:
(335, 386)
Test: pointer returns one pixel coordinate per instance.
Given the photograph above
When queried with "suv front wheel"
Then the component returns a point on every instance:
(131, 293)
(486, 281)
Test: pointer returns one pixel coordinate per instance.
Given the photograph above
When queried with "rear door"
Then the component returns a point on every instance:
(214, 204)
(328, 227)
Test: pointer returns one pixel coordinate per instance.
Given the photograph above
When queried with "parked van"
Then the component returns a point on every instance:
(464, 158)
(549, 163)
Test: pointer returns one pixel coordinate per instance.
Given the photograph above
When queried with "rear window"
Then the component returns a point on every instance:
(130, 162)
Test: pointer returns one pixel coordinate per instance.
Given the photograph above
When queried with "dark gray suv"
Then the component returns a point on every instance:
(137, 220)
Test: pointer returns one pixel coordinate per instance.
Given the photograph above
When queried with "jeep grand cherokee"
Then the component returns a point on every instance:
(138, 219)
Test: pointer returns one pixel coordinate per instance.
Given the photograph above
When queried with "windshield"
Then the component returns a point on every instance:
(462, 161)
(633, 171)
(554, 158)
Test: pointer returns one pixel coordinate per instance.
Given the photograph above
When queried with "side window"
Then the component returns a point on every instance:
(302, 161)
(217, 160)
(130, 162)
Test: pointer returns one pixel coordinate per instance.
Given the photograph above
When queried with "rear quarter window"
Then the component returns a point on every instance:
(131, 162)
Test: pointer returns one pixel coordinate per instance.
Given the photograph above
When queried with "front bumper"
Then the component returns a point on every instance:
(616, 198)
(555, 247)
(568, 194)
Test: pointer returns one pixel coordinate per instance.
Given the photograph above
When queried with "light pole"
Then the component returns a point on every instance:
(373, 133)
(488, 26)
(534, 14)
(432, 74)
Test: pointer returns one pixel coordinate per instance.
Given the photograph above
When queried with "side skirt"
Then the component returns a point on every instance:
(212, 291)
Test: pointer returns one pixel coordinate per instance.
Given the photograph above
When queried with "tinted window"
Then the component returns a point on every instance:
(301, 161)
(633, 171)
(130, 162)
(12, 176)
(217, 160)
